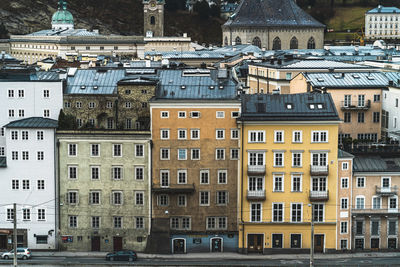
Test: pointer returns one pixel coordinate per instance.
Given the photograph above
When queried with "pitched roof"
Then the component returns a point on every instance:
(344, 154)
(290, 107)
(381, 9)
(3, 162)
(394, 77)
(312, 64)
(347, 80)
(33, 122)
(271, 13)
(376, 164)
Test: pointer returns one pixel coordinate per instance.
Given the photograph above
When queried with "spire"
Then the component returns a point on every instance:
(64, 5)
(60, 4)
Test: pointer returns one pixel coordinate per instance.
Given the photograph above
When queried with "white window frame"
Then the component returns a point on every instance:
(191, 153)
(283, 160)
(208, 198)
(91, 150)
(319, 136)
(341, 182)
(220, 114)
(232, 135)
(345, 166)
(164, 114)
(226, 176)
(136, 177)
(136, 150)
(257, 140)
(273, 210)
(179, 114)
(184, 131)
(291, 212)
(161, 154)
(121, 150)
(341, 203)
(301, 136)
(69, 150)
(276, 135)
(301, 182)
(191, 134)
(223, 134)
(91, 172)
(275, 176)
(162, 136)
(342, 232)
(208, 176)
(301, 160)
(355, 202)
(177, 176)
(364, 182)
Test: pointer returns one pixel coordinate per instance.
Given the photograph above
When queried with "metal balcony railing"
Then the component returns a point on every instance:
(319, 195)
(256, 194)
(355, 105)
(256, 169)
(391, 190)
(319, 170)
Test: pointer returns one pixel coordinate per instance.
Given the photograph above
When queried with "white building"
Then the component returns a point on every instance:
(382, 23)
(391, 106)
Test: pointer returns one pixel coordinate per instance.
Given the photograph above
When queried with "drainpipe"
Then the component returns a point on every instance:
(57, 194)
(241, 193)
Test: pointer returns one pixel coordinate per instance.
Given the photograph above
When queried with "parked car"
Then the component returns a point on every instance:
(22, 253)
(123, 255)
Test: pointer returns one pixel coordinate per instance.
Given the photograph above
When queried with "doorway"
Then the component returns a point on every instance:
(216, 244)
(255, 243)
(392, 243)
(3, 241)
(178, 246)
(277, 240)
(319, 243)
(117, 243)
(374, 243)
(95, 243)
(295, 240)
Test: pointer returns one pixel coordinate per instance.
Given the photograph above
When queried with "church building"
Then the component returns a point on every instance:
(273, 25)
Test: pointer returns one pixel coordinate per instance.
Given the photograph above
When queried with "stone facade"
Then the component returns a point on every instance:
(153, 18)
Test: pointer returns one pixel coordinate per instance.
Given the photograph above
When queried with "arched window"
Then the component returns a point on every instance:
(294, 44)
(152, 20)
(238, 41)
(226, 41)
(276, 44)
(311, 43)
(257, 42)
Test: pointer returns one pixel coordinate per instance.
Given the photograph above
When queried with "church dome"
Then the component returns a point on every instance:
(62, 15)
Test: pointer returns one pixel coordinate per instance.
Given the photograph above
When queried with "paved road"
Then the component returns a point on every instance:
(87, 261)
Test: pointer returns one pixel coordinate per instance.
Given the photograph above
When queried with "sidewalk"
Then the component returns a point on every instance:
(221, 256)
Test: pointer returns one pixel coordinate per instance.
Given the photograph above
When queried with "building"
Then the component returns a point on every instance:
(273, 25)
(357, 97)
(382, 23)
(390, 106)
(288, 173)
(104, 182)
(194, 162)
(153, 19)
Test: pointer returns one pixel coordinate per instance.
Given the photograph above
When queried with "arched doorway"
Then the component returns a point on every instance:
(294, 43)
(238, 41)
(311, 43)
(257, 41)
(216, 244)
(178, 245)
(276, 44)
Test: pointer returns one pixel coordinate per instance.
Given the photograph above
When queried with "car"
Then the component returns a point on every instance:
(122, 255)
(22, 253)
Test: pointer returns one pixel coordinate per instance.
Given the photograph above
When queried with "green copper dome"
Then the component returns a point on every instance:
(62, 16)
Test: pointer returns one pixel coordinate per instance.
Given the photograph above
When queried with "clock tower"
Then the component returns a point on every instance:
(153, 18)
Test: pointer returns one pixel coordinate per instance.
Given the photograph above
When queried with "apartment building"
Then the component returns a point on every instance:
(195, 162)
(391, 107)
(288, 173)
(382, 23)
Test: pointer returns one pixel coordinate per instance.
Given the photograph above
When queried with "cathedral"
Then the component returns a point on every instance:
(273, 25)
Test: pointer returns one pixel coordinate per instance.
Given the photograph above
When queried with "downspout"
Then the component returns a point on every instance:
(241, 193)
(57, 193)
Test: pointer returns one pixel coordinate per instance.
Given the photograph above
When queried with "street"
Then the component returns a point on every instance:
(85, 261)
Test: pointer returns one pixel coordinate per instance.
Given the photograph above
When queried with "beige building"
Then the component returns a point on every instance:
(104, 192)
(357, 96)
(382, 23)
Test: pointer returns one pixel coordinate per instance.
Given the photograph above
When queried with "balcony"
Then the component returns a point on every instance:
(355, 105)
(255, 169)
(256, 195)
(319, 195)
(386, 191)
(319, 170)
(174, 189)
(363, 212)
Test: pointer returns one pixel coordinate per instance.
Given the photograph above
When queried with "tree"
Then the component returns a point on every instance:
(3, 32)
(66, 122)
(215, 11)
(202, 9)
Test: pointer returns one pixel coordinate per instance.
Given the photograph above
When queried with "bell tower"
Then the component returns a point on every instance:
(153, 24)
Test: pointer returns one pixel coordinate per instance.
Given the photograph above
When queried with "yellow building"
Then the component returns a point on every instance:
(289, 172)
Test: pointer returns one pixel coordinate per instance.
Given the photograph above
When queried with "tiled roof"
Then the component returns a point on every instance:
(376, 164)
(33, 122)
(3, 162)
(382, 9)
(195, 84)
(290, 107)
(271, 13)
(347, 80)
(344, 154)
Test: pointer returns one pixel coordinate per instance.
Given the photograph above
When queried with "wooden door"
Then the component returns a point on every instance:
(319, 243)
(95, 243)
(255, 243)
(117, 243)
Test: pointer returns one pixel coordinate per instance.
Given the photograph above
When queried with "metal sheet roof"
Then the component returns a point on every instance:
(311, 64)
(33, 122)
(100, 82)
(394, 77)
(344, 154)
(382, 9)
(376, 164)
(288, 107)
(68, 32)
(348, 80)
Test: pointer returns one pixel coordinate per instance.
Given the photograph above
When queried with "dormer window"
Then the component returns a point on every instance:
(312, 106)
(289, 106)
(320, 106)
(320, 80)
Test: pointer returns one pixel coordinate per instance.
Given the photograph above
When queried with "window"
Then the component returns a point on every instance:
(25, 155)
(21, 93)
(376, 117)
(25, 184)
(204, 177)
(344, 203)
(182, 134)
(361, 116)
(73, 221)
(21, 113)
(220, 114)
(345, 166)
(139, 222)
(347, 117)
(360, 202)
(234, 153)
(375, 228)
(222, 197)
(376, 203)
(95, 222)
(220, 154)
(164, 179)
(222, 176)
(116, 173)
(255, 212)
(39, 135)
(94, 197)
(117, 222)
(296, 212)
(204, 198)
(318, 212)
(72, 149)
(297, 136)
(26, 214)
(392, 203)
(234, 134)
(182, 154)
(14, 155)
(392, 228)
(343, 244)
(319, 136)
(94, 150)
(41, 214)
(164, 153)
(2, 130)
(182, 200)
(296, 159)
(10, 214)
(95, 172)
(343, 227)
(117, 150)
(278, 159)
(72, 197)
(182, 114)
(278, 183)
(2, 151)
(25, 135)
(319, 159)
(40, 155)
(256, 158)
(360, 182)
(277, 212)
(110, 123)
(128, 104)
(15, 184)
(139, 198)
(279, 136)
(164, 134)
(288, 76)
(46, 93)
(46, 113)
(195, 114)
(180, 223)
(220, 134)
(10, 93)
(109, 104)
(235, 114)
(78, 104)
(195, 153)
(182, 174)
(163, 200)
(139, 173)
(164, 114)
(72, 172)
(256, 136)
(296, 183)
(216, 223)
(139, 150)
(117, 198)
(14, 135)
(195, 134)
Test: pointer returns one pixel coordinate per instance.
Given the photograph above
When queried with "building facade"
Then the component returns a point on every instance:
(153, 19)
(391, 107)
(289, 173)
(382, 23)
(104, 182)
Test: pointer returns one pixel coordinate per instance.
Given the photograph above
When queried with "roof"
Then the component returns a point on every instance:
(3, 162)
(99, 82)
(394, 77)
(288, 107)
(381, 9)
(347, 80)
(196, 84)
(344, 154)
(271, 13)
(67, 32)
(376, 164)
(25, 73)
(62, 15)
(311, 64)
(33, 122)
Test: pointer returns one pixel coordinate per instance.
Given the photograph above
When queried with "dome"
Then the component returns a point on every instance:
(62, 15)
